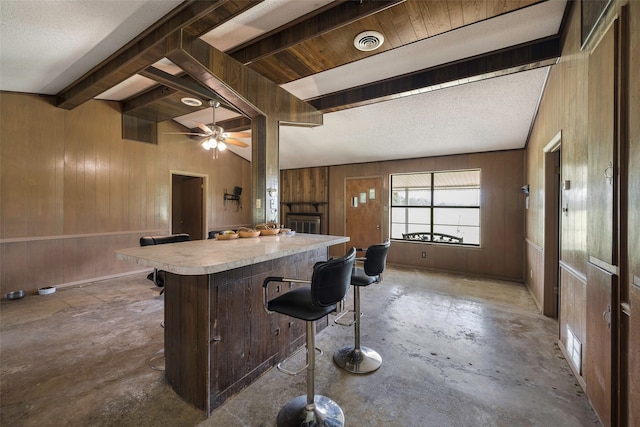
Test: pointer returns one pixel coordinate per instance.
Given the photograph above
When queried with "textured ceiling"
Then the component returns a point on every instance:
(489, 115)
(47, 45)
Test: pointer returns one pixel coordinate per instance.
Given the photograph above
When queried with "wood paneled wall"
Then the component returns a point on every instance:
(72, 190)
(534, 281)
(307, 190)
(630, 323)
(501, 211)
(564, 107)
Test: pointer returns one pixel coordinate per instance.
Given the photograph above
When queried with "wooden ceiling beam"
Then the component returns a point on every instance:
(147, 48)
(335, 15)
(250, 92)
(523, 57)
(184, 85)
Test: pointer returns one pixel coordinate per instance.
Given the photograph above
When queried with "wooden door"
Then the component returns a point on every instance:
(602, 229)
(187, 206)
(363, 211)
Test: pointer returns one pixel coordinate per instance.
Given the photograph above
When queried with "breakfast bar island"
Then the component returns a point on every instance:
(218, 337)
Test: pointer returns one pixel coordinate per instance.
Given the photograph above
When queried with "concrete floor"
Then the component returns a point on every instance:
(456, 351)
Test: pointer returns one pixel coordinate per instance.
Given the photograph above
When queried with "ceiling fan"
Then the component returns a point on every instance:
(214, 137)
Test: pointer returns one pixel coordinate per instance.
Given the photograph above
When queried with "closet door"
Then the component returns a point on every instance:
(602, 271)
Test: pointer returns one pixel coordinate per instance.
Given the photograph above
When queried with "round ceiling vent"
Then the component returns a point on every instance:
(368, 41)
(191, 102)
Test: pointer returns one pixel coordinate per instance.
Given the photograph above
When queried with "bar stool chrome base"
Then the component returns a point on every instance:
(323, 412)
(357, 361)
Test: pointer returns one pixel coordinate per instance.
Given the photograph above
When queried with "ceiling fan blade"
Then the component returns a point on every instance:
(204, 128)
(235, 142)
(186, 133)
(238, 134)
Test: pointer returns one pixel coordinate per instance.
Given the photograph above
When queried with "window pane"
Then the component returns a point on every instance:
(456, 197)
(419, 215)
(398, 198)
(470, 235)
(457, 188)
(419, 197)
(457, 179)
(398, 214)
(418, 228)
(453, 216)
(411, 180)
(397, 230)
(411, 197)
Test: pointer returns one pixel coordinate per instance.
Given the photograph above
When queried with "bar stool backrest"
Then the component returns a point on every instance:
(160, 240)
(376, 258)
(331, 279)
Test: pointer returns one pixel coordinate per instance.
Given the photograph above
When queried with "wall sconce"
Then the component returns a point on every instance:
(235, 197)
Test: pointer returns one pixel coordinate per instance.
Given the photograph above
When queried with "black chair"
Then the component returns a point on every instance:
(329, 285)
(356, 358)
(157, 277)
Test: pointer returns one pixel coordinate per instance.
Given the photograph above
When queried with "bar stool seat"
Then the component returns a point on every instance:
(328, 286)
(359, 359)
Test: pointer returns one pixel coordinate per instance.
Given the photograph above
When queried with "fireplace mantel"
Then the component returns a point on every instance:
(316, 205)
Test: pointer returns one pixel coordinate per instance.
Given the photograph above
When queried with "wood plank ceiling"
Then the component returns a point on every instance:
(312, 44)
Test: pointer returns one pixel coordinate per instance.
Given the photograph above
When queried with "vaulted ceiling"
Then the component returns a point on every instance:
(451, 76)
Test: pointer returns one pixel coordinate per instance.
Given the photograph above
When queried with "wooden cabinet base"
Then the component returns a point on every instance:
(219, 338)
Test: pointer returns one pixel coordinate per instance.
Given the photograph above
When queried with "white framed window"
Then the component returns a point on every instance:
(436, 207)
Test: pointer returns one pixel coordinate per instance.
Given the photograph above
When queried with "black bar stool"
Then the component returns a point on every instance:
(157, 277)
(356, 358)
(329, 285)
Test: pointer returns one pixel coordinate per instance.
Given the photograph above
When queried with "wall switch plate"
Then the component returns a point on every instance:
(258, 203)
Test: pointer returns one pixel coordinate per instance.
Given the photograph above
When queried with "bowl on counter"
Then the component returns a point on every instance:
(248, 233)
(226, 236)
(268, 229)
(269, 232)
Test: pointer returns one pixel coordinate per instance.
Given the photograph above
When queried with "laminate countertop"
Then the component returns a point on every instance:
(213, 256)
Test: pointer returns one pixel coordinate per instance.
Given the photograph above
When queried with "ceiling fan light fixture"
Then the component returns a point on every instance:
(368, 41)
(210, 143)
(191, 102)
(222, 146)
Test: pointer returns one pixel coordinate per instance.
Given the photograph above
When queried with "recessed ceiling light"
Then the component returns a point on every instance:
(191, 102)
(368, 41)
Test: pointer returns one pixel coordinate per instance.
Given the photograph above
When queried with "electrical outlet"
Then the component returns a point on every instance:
(424, 254)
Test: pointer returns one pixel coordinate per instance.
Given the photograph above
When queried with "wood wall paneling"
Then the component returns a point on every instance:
(532, 269)
(600, 347)
(565, 106)
(73, 190)
(302, 188)
(572, 315)
(501, 254)
(632, 322)
(602, 149)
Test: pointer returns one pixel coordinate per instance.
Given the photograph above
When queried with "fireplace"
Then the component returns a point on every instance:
(302, 222)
